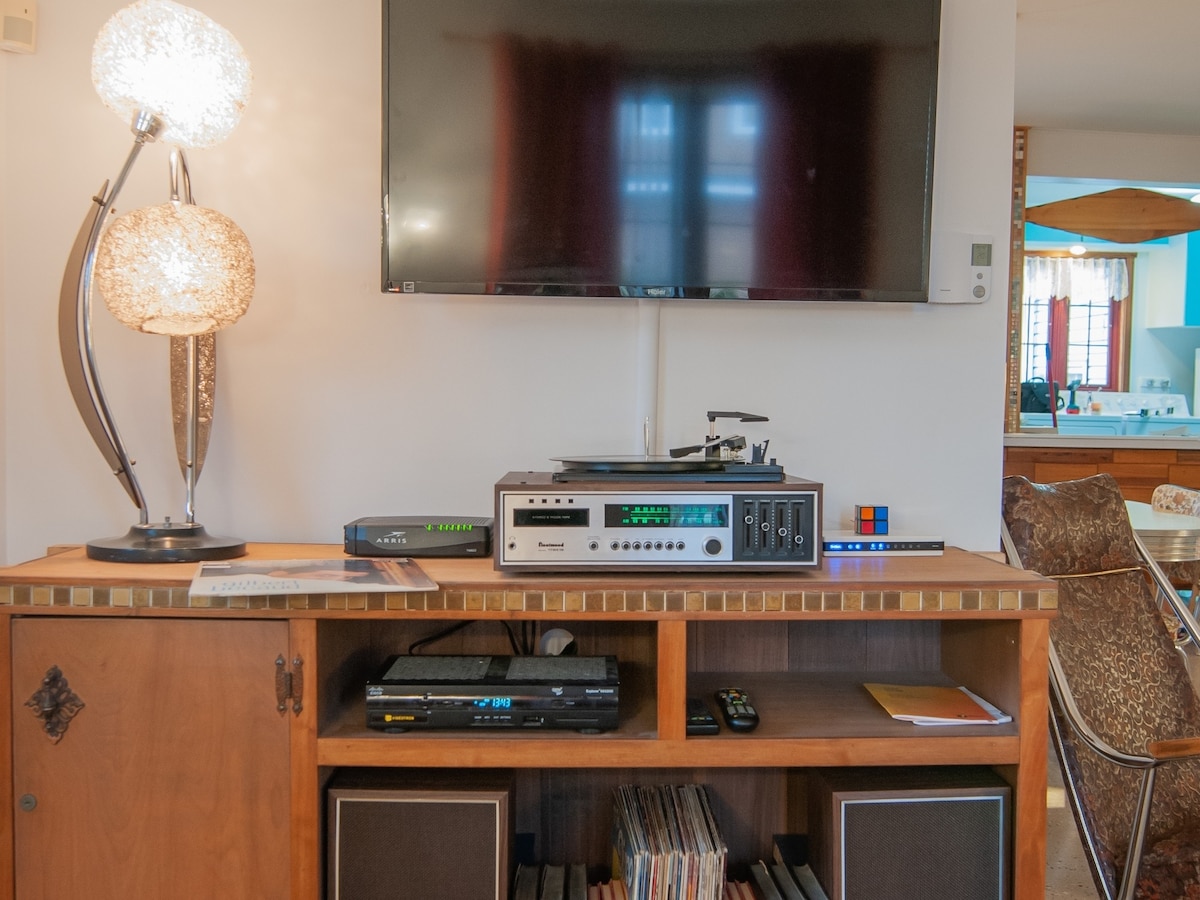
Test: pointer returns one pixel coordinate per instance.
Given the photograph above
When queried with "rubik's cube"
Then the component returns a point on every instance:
(870, 520)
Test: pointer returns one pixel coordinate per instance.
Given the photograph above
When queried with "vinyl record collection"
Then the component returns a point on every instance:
(666, 843)
(666, 846)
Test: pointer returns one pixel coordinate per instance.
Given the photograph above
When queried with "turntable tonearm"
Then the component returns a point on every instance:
(680, 512)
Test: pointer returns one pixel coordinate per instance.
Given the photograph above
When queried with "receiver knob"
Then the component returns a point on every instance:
(712, 546)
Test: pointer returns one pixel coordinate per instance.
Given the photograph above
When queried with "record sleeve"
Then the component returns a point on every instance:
(249, 578)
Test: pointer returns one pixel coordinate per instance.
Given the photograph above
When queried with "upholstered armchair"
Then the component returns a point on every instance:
(1125, 717)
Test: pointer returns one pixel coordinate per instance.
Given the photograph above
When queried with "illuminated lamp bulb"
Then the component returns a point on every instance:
(1077, 249)
(169, 60)
(175, 269)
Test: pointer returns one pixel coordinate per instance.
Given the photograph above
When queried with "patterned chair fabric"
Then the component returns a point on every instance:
(1174, 498)
(1128, 680)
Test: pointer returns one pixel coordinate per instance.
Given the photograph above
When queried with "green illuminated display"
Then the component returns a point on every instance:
(666, 515)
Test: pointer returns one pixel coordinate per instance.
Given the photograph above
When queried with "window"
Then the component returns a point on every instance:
(1076, 320)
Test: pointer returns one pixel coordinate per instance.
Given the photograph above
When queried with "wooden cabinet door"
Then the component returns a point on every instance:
(172, 780)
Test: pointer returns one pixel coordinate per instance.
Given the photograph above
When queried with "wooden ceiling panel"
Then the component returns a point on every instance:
(1124, 215)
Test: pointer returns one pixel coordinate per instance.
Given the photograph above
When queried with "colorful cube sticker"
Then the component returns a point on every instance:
(870, 520)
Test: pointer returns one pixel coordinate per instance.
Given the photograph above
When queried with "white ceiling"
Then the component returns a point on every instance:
(1109, 65)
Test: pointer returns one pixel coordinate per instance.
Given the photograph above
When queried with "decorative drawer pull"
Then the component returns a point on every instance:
(55, 704)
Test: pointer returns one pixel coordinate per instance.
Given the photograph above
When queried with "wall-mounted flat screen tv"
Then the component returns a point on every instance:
(709, 149)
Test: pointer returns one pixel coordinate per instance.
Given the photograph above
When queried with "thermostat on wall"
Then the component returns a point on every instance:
(960, 267)
(849, 543)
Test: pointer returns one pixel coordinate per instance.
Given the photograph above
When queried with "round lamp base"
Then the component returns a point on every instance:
(166, 542)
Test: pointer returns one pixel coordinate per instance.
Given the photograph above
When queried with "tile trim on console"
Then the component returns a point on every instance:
(36, 597)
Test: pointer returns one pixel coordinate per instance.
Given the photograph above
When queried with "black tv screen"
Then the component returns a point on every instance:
(712, 149)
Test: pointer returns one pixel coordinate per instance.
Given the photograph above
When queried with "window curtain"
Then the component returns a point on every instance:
(1053, 279)
(814, 209)
(1053, 276)
(554, 200)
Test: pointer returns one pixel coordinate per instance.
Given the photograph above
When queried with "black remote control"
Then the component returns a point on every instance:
(699, 719)
(735, 707)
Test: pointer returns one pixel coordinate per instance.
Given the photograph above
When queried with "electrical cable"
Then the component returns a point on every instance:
(438, 635)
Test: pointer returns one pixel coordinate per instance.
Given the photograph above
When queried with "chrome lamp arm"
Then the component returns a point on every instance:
(75, 325)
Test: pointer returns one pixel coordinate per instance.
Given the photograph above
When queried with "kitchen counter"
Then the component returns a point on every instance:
(1116, 425)
(1066, 440)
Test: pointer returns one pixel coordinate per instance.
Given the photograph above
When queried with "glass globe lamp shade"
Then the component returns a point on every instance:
(175, 269)
(164, 58)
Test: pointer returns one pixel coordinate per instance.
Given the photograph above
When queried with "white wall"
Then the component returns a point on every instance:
(1164, 158)
(336, 401)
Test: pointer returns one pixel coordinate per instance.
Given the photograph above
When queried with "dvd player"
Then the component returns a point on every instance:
(428, 692)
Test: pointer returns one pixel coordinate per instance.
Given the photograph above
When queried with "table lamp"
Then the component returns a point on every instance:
(175, 269)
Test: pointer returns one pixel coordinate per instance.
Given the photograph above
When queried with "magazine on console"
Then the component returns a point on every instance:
(248, 578)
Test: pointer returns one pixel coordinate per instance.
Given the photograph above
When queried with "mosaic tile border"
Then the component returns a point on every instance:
(599, 601)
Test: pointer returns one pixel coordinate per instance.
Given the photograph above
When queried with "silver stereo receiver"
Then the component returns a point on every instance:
(546, 524)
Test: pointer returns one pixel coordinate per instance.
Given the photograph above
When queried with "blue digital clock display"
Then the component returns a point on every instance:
(494, 702)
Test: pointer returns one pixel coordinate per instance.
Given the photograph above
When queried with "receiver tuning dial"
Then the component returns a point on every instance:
(712, 546)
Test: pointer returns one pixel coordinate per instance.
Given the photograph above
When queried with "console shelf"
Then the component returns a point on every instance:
(809, 717)
(802, 645)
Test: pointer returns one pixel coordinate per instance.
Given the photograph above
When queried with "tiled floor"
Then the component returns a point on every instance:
(1067, 875)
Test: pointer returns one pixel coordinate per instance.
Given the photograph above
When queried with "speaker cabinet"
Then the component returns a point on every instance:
(406, 839)
(900, 833)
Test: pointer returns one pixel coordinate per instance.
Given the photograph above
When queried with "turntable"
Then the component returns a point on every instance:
(701, 508)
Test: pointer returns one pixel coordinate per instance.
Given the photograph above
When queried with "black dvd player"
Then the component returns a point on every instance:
(519, 692)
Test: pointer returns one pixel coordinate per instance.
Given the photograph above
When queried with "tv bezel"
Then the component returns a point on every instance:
(392, 285)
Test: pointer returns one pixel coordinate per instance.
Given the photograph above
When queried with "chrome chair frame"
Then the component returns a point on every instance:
(1157, 752)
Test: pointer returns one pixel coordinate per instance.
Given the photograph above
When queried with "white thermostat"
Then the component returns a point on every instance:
(960, 267)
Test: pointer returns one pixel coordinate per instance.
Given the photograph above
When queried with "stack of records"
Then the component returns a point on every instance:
(666, 843)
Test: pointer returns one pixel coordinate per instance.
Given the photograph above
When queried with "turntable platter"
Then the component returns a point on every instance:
(662, 465)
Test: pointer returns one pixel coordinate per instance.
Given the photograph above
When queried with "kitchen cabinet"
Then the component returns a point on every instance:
(1139, 464)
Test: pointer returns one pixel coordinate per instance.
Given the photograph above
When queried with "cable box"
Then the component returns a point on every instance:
(419, 536)
(516, 692)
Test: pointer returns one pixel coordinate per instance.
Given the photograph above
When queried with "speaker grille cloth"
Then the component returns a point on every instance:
(390, 850)
(904, 850)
